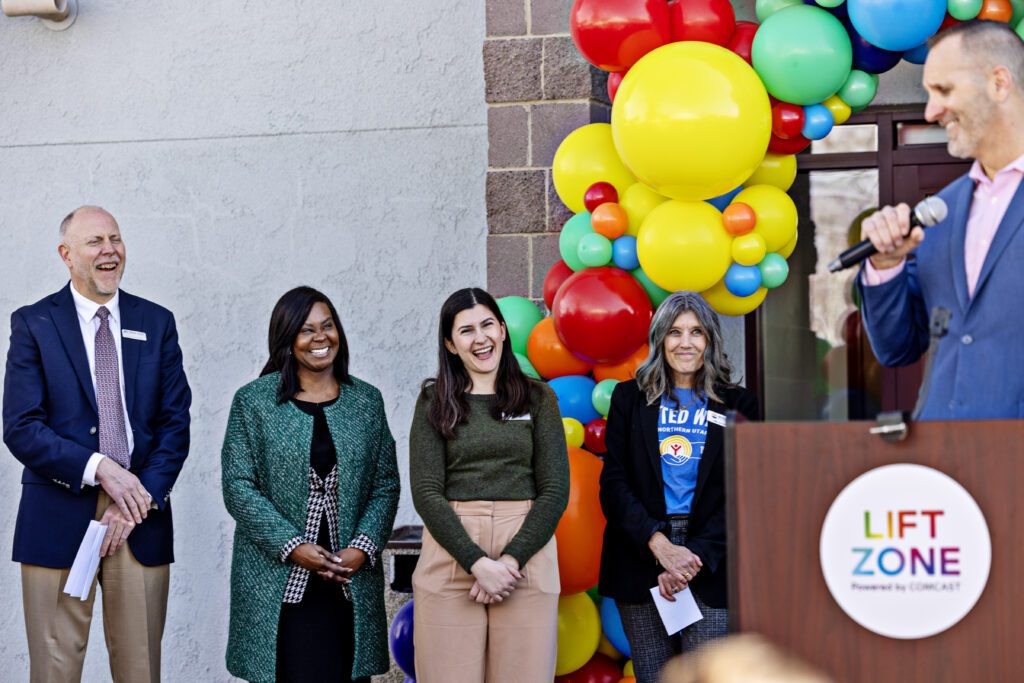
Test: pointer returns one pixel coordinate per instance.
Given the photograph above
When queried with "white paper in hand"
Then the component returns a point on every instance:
(679, 614)
(87, 561)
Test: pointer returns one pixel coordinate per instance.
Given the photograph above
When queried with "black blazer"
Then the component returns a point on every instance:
(633, 498)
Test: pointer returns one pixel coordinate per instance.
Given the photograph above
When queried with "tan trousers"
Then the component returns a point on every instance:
(134, 611)
(461, 641)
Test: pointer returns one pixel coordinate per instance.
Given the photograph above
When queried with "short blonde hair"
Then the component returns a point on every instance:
(745, 658)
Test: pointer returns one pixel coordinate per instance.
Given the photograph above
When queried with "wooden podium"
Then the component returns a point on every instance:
(781, 479)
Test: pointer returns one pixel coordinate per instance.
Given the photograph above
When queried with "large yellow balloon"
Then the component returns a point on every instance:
(727, 303)
(605, 647)
(787, 250)
(776, 214)
(587, 156)
(684, 246)
(776, 169)
(579, 631)
(691, 120)
(639, 200)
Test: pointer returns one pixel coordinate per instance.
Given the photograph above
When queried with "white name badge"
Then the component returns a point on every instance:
(132, 334)
(716, 418)
(518, 417)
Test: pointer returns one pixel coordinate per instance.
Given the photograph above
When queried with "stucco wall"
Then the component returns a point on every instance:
(245, 148)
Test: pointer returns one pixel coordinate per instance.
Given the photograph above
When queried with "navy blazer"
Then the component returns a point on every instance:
(51, 423)
(978, 370)
(633, 498)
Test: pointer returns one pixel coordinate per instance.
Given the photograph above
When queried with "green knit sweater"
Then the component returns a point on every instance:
(514, 459)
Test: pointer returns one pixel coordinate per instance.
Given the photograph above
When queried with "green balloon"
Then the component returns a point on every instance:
(595, 596)
(1018, 11)
(963, 10)
(766, 8)
(859, 89)
(829, 3)
(569, 239)
(774, 270)
(520, 316)
(601, 396)
(526, 366)
(655, 293)
(803, 55)
(594, 250)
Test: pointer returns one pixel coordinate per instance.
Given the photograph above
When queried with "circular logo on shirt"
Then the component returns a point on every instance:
(676, 450)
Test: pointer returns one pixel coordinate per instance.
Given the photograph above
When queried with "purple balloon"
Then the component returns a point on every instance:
(400, 640)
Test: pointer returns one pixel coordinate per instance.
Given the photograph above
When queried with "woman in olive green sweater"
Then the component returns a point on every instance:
(309, 476)
(490, 478)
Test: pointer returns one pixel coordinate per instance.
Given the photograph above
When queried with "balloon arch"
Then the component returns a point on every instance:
(685, 189)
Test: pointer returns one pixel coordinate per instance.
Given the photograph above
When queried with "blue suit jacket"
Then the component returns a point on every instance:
(50, 424)
(978, 370)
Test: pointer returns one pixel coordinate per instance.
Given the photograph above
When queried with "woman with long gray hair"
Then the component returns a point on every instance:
(663, 483)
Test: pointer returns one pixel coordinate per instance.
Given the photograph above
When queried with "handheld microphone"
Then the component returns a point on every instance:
(928, 212)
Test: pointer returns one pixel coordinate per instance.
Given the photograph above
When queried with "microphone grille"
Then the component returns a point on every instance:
(931, 211)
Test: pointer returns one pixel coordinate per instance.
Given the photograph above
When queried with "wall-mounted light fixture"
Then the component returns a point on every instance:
(56, 15)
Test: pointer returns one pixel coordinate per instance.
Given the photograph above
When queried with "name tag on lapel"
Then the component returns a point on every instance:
(132, 334)
(716, 418)
(525, 416)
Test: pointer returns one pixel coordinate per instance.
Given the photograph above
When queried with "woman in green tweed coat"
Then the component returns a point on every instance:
(288, 571)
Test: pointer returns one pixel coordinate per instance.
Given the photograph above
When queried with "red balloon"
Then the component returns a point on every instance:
(793, 145)
(613, 34)
(787, 120)
(602, 314)
(557, 274)
(581, 528)
(743, 39)
(614, 81)
(598, 194)
(600, 669)
(593, 436)
(711, 21)
(947, 22)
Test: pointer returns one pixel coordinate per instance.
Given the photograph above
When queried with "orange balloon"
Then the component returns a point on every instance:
(628, 679)
(625, 369)
(739, 218)
(548, 354)
(609, 220)
(582, 525)
(996, 10)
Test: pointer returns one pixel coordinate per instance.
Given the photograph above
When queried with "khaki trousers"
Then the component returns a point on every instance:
(461, 641)
(134, 612)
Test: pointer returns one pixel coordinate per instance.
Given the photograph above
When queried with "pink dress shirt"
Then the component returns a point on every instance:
(992, 198)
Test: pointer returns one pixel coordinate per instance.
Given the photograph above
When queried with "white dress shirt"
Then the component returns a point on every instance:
(89, 323)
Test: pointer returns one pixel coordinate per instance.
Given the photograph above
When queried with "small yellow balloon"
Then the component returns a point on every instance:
(628, 669)
(727, 303)
(606, 648)
(579, 631)
(776, 214)
(587, 156)
(749, 249)
(573, 431)
(840, 110)
(691, 120)
(787, 250)
(684, 246)
(639, 200)
(776, 169)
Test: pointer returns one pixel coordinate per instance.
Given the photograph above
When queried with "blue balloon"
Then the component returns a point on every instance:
(818, 121)
(400, 639)
(624, 253)
(611, 624)
(896, 24)
(724, 200)
(917, 55)
(742, 280)
(573, 393)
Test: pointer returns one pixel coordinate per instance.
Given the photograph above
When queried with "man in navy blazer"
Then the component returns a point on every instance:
(972, 263)
(88, 365)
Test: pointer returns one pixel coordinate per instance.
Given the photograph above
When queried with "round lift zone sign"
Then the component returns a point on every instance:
(905, 551)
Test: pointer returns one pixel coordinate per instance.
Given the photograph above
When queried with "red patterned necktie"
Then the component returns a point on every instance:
(113, 437)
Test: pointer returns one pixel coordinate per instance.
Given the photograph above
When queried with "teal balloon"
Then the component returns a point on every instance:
(527, 367)
(803, 55)
(830, 3)
(859, 89)
(520, 317)
(602, 396)
(1018, 11)
(655, 293)
(1020, 29)
(774, 270)
(594, 250)
(569, 239)
(963, 10)
(766, 8)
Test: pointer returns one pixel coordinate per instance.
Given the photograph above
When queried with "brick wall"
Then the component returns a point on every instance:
(538, 89)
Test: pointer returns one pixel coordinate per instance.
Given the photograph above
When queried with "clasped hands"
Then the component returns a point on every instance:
(339, 566)
(495, 579)
(680, 565)
(131, 503)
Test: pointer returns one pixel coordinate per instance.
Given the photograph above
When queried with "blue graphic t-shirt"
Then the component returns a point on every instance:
(682, 432)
